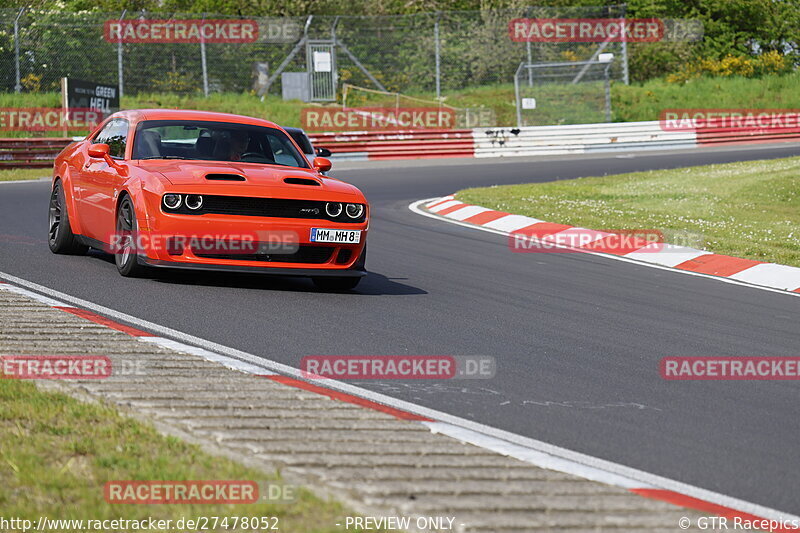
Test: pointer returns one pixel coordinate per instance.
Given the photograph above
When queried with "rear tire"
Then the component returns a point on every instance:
(126, 256)
(60, 238)
(336, 284)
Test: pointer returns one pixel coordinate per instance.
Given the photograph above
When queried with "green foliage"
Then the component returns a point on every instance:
(766, 64)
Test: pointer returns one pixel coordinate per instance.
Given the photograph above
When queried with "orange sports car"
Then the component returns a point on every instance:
(210, 191)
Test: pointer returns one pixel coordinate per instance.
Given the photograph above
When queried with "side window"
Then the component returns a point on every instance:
(115, 135)
(280, 149)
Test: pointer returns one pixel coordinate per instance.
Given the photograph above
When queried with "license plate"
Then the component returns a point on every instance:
(342, 236)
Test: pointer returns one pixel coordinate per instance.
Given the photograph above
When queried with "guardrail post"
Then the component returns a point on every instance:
(18, 85)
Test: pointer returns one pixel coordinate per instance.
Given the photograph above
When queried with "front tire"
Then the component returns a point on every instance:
(60, 238)
(126, 255)
(336, 284)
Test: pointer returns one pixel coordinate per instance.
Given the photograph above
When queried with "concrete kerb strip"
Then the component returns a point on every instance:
(431, 473)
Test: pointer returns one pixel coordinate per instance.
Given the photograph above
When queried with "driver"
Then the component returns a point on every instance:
(239, 142)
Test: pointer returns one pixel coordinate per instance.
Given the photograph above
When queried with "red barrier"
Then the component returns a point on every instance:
(411, 144)
(746, 135)
(30, 152)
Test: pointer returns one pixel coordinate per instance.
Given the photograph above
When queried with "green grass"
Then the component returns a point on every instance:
(563, 104)
(645, 101)
(748, 209)
(56, 454)
(14, 174)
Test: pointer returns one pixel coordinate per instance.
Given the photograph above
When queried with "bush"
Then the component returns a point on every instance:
(767, 63)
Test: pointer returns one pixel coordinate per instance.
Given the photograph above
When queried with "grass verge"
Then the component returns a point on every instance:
(14, 174)
(56, 454)
(748, 209)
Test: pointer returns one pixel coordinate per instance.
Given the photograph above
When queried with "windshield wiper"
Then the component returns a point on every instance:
(164, 157)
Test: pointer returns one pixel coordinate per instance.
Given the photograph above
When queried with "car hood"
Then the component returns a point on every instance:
(182, 173)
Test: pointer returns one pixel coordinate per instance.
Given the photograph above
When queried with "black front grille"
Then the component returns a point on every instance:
(263, 207)
(306, 254)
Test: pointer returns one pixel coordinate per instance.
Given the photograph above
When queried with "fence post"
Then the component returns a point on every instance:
(529, 51)
(203, 59)
(438, 56)
(516, 93)
(18, 85)
(608, 91)
(624, 50)
(119, 54)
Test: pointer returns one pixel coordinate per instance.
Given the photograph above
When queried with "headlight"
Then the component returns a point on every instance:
(333, 209)
(194, 201)
(354, 210)
(172, 201)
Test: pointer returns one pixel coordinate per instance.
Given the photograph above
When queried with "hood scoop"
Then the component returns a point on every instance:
(301, 181)
(225, 177)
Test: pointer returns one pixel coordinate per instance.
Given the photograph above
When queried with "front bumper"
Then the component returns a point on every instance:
(316, 258)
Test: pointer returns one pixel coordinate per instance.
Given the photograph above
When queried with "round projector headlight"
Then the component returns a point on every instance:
(333, 209)
(354, 210)
(194, 201)
(172, 201)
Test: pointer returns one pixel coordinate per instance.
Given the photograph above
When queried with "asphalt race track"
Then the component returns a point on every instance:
(577, 338)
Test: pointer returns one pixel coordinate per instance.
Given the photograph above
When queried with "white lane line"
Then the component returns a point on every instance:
(540, 459)
(614, 470)
(30, 294)
(415, 208)
(229, 362)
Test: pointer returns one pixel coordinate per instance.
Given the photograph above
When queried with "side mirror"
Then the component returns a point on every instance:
(321, 164)
(99, 150)
(323, 152)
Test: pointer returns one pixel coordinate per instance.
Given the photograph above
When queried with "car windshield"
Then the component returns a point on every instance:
(215, 141)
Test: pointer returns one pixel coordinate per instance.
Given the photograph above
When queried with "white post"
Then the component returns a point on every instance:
(119, 54)
(18, 85)
(438, 57)
(203, 60)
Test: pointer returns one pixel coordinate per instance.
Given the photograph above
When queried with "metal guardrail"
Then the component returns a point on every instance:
(30, 152)
(398, 144)
(482, 142)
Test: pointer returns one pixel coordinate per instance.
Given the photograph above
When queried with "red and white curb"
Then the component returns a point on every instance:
(522, 448)
(771, 276)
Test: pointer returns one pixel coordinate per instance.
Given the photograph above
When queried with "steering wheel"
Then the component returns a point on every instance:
(252, 154)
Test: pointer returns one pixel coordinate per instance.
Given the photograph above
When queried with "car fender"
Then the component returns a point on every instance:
(62, 173)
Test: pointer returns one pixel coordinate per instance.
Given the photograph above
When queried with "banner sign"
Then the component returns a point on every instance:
(100, 97)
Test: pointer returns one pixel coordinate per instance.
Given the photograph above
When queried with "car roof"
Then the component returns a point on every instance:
(186, 114)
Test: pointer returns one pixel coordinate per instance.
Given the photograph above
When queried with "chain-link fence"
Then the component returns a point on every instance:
(430, 54)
